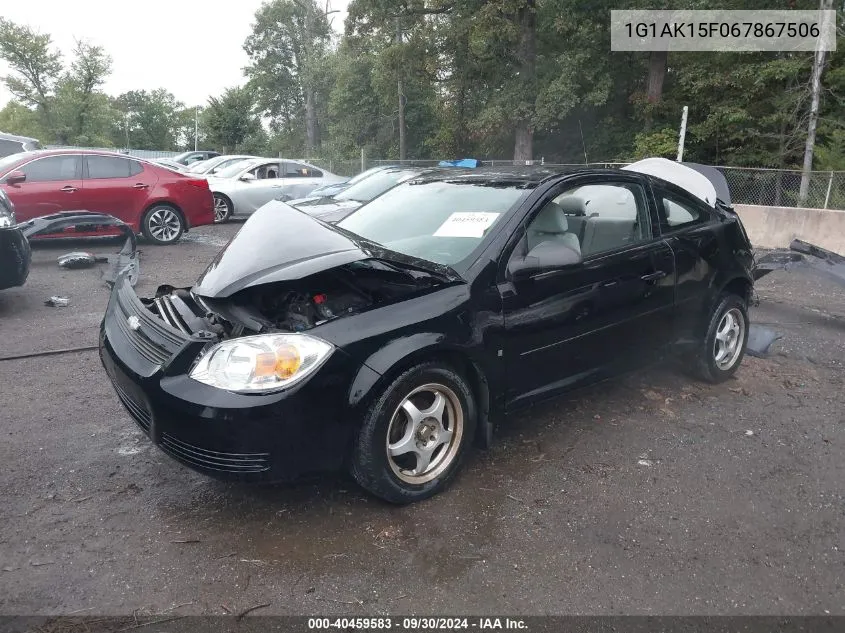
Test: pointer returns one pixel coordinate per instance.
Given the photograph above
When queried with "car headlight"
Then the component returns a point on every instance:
(266, 362)
(7, 219)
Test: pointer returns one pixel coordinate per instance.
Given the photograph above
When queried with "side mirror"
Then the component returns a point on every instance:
(14, 177)
(543, 258)
(248, 177)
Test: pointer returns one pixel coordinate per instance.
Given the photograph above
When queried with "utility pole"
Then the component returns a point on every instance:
(196, 127)
(809, 148)
(403, 148)
(683, 135)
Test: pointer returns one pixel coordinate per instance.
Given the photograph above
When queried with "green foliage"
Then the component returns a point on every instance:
(152, 120)
(229, 120)
(481, 78)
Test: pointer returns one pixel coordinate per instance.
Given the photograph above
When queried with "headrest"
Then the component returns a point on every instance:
(551, 219)
(573, 205)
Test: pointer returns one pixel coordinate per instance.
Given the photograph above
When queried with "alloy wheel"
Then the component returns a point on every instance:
(730, 335)
(221, 209)
(425, 433)
(164, 224)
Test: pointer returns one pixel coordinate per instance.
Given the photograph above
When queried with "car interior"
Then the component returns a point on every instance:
(590, 219)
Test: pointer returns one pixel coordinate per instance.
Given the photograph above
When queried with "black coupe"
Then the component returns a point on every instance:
(388, 343)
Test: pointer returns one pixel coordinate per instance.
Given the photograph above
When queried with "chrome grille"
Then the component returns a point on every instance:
(137, 410)
(214, 460)
(155, 340)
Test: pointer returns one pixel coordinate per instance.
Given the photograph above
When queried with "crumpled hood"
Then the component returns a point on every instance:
(279, 243)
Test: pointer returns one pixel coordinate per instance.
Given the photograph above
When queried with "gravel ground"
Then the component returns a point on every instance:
(653, 494)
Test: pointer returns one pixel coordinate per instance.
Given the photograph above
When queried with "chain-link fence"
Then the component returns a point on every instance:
(781, 187)
(748, 185)
(137, 153)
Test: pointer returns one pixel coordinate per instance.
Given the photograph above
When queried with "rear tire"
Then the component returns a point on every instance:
(720, 353)
(163, 224)
(415, 435)
(223, 208)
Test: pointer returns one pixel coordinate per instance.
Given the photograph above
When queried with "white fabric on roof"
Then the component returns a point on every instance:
(678, 174)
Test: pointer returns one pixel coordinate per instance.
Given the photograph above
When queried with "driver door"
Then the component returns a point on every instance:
(264, 188)
(588, 320)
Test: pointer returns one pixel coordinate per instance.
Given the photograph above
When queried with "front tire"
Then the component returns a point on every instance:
(162, 224)
(720, 353)
(415, 435)
(223, 208)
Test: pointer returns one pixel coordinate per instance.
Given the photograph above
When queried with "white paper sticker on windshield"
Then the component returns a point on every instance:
(466, 224)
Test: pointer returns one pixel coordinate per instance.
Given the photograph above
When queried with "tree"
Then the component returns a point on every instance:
(83, 111)
(289, 41)
(230, 119)
(36, 66)
(150, 120)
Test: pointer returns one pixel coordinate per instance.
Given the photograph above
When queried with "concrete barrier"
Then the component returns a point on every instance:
(776, 227)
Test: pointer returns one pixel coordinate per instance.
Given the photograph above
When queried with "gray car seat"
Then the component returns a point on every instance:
(551, 224)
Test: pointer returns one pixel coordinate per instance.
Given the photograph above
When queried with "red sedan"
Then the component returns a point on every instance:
(154, 200)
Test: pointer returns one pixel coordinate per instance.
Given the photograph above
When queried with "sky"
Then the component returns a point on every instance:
(149, 40)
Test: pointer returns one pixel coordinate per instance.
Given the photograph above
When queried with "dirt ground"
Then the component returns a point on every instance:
(653, 494)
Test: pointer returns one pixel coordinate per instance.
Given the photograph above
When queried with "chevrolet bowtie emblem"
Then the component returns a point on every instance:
(134, 323)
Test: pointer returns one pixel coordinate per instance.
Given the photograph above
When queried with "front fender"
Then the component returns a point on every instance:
(394, 354)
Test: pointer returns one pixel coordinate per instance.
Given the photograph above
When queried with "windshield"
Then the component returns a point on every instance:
(440, 221)
(364, 174)
(375, 185)
(11, 159)
(234, 169)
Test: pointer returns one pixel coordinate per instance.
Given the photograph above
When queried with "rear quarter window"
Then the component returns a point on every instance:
(678, 212)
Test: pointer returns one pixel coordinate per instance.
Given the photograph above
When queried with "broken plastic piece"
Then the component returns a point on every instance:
(86, 221)
(802, 254)
(80, 259)
(760, 339)
(57, 302)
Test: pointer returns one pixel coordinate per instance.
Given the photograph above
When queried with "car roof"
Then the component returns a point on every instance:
(517, 175)
(15, 137)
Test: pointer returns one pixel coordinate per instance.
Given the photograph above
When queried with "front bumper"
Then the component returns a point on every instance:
(272, 437)
(15, 257)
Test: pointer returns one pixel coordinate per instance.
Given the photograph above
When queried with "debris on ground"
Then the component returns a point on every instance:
(80, 259)
(57, 302)
(760, 339)
(749, 433)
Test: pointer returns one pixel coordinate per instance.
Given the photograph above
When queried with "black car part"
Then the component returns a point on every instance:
(802, 254)
(86, 221)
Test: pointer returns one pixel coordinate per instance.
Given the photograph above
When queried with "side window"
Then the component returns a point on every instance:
(135, 168)
(53, 168)
(296, 170)
(268, 170)
(605, 217)
(314, 173)
(677, 212)
(107, 167)
(7, 148)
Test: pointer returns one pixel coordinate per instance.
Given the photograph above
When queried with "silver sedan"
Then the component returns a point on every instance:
(243, 187)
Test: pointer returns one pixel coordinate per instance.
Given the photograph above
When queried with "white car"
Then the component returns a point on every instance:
(211, 166)
(243, 187)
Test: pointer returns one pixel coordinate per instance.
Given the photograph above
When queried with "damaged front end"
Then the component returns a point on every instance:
(234, 377)
(291, 306)
(290, 281)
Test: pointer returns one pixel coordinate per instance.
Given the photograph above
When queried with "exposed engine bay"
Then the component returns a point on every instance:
(292, 306)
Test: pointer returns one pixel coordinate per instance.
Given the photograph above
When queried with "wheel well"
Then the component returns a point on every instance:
(459, 362)
(739, 286)
(224, 196)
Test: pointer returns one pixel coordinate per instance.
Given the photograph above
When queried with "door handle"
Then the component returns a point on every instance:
(660, 274)
(68, 189)
(140, 185)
